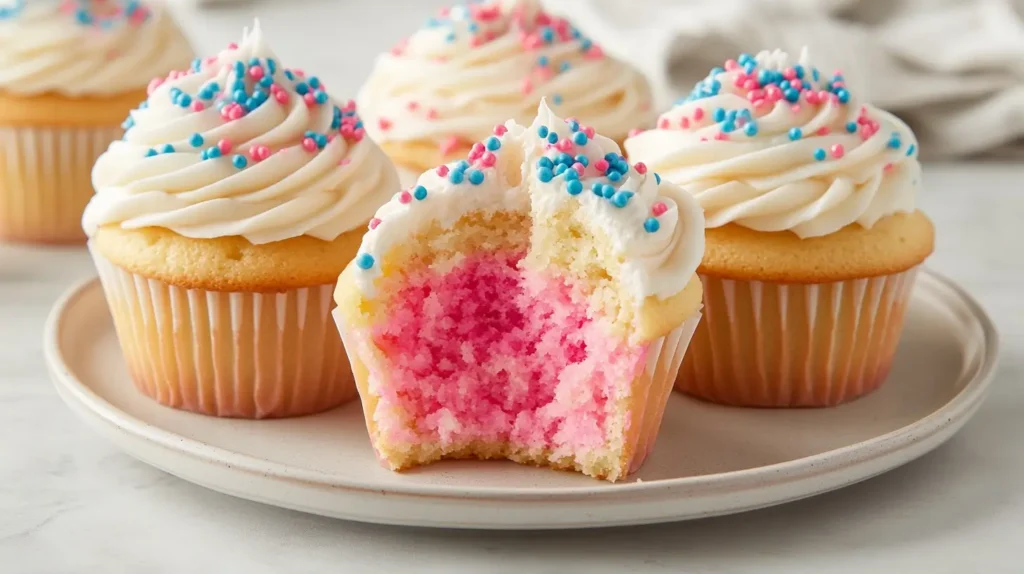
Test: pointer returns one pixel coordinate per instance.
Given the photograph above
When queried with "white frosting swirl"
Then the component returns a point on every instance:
(287, 187)
(657, 259)
(482, 63)
(88, 48)
(812, 166)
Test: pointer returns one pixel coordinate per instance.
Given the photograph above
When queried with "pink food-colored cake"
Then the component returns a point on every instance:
(532, 303)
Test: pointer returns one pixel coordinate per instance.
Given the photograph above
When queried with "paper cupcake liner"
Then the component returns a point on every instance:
(795, 345)
(651, 389)
(244, 355)
(45, 180)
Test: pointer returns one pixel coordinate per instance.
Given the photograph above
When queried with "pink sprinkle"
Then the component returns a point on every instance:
(413, 106)
(838, 84)
(236, 112)
(476, 41)
(565, 145)
(703, 138)
(153, 85)
(755, 95)
(721, 136)
(750, 85)
(663, 123)
(589, 131)
(698, 114)
(310, 99)
(500, 130)
(449, 145)
(659, 209)
(838, 151)
(232, 46)
(374, 223)
(476, 151)
(384, 123)
(739, 80)
(259, 152)
(532, 42)
(544, 74)
(224, 146)
(527, 86)
(579, 168)
(404, 197)
(822, 131)
(256, 72)
(488, 159)
(888, 167)
(601, 165)
(684, 123)
(731, 64)
(594, 53)
(358, 134)
(309, 144)
(350, 106)
(198, 106)
(442, 170)
(795, 108)
(281, 97)
(812, 97)
(772, 92)
(432, 114)
(740, 122)
(640, 167)
(758, 104)
(299, 73)
(634, 132)
(789, 74)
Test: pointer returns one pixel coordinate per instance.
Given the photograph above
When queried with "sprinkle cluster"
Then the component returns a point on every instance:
(796, 86)
(250, 85)
(480, 23)
(106, 14)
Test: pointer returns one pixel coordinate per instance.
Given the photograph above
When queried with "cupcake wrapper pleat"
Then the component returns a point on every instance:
(45, 180)
(651, 389)
(795, 345)
(245, 355)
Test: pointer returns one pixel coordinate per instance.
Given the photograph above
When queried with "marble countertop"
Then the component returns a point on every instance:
(71, 502)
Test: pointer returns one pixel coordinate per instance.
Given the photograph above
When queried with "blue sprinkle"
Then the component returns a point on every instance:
(657, 178)
(560, 169)
(197, 64)
(547, 34)
(288, 74)
(564, 67)
(571, 174)
(621, 199)
(302, 88)
(184, 100)
(557, 99)
(563, 158)
(910, 149)
(420, 192)
(266, 81)
(314, 82)
(542, 131)
(239, 68)
(254, 62)
(792, 95)
(203, 155)
(456, 176)
(579, 138)
(596, 188)
(272, 66)
(651, 225)
(473, 27)
(168, 148)
(799, 71)
(613, 176)
(321, 97)
(815, 75)
(321, 141)
(764, 77)
(150, 152)
(450, 37)
(582, 159)
(544, 174)
(476, 177)
(715, 71)
(574, 125)
(607, 191)
(240, 96)
(718, 115)
(750, 129)
(83, 17)
(851, 127)
(493, 143)
(574, 187)
(784, 85)
(552, 138)
(611, 157)
(585, 44)
(895, 142)
(728, 127)
(844, 96)
(543, 61)
(364, 261)
(128, 123)
(819, 154)
(239, 161)
(545, 162)
(462, 165)
(795, 134)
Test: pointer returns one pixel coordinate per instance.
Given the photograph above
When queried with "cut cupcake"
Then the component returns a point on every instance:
(813, 239)
(532, 302)
(478, 64)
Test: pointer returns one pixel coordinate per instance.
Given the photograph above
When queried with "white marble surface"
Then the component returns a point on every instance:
(70, 502)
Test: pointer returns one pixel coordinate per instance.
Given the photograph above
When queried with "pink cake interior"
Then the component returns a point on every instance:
(487, 352)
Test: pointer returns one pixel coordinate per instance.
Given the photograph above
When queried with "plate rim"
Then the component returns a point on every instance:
(960, 405)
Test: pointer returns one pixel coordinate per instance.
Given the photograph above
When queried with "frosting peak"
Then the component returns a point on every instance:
(239, 145)
(86, 47)
(655, 228)
(477, 64)
(774, 144)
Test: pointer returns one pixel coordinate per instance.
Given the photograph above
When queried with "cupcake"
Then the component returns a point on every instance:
(219, 226)
(69, 74)
(532, 302)
(813, 237)
(476, 65)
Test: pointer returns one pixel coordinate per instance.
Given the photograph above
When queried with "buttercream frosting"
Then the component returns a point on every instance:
(655, 227)
(241, 146)
(772, 144)
(86, 48)
(479, 64)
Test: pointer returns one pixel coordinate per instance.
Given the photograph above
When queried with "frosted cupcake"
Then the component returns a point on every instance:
(479, 64)
(219, 226)
(813, 237)
(532, 303)
(69, 74)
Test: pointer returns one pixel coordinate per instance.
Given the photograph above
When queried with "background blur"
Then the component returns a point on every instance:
(953, 69)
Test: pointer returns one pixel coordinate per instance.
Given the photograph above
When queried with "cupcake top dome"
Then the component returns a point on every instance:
(478, 64)
(654, 228)
(240, 145)
(772, 143)
(81, 48)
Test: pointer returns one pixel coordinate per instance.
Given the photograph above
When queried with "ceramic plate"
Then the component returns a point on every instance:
(709, 460)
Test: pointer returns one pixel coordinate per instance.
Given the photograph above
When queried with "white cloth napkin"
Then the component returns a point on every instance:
(954, 70)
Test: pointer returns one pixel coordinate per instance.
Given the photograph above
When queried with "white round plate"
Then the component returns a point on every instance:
(709, 459)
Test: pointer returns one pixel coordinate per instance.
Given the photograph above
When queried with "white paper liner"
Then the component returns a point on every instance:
(785, 345)
(245, 355)
(45, 180)
(664, 357)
